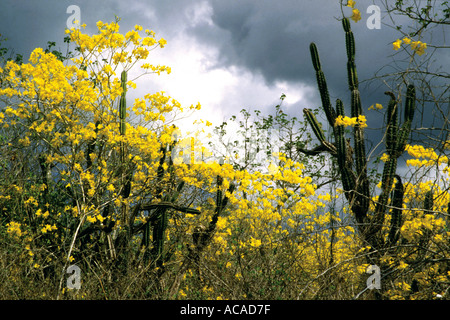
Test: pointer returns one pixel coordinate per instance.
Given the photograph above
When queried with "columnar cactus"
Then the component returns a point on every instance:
(355, 180)
(125, 176)
(426, 236)
(396, 140)
(160, 223)
(123, 103)
(396, 214)
(122, 128)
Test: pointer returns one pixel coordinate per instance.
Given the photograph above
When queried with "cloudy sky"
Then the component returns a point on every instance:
(230, 55)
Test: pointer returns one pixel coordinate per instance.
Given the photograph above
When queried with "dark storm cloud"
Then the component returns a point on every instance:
(30, 24)
(272, 38)
(267, 36)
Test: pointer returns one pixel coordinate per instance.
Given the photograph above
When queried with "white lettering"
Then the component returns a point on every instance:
(374, 21)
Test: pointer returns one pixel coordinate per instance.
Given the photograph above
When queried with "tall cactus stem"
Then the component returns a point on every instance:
(428, 202)
(316, 127)
(346, 24)
(315, 57)
(123, 103)
(352, 75)
(410, 104)
(405, 130)
(392, 124)
(396, 214)
(322, 84)
(350, 45)
(351, 49)
(347, 176)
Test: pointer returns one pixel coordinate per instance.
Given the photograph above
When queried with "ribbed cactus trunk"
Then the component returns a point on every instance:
(160, 223)
(396, 214)
(125, 178)
(123, 104)
(355, 178)
(361, 198)
(396, 140)
(123, 239)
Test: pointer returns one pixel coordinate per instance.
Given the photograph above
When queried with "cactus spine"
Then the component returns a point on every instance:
(356, 183)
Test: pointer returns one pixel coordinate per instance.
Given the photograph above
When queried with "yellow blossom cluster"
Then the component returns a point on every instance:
(429, 155)
(48, 228)
(348, 121)
(417, 46)
(14, 228)
(356, 14)
(377, 106)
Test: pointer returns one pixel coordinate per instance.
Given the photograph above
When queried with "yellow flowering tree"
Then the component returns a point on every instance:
(100, 171)
(99, 184)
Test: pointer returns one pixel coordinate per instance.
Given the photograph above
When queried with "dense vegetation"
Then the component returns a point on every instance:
(147, 212)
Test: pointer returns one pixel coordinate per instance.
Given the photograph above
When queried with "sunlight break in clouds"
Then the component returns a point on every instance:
(222, 92)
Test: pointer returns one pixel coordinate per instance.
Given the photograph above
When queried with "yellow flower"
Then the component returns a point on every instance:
(31, 200)
(419, 47)
(384, 157)
(14, 228)
(48, 228)
(255, 242)
(162, 42)
(376, 106)
(182, 293)
(356, 15)
(351, 3)
(340, 121)
(362, 121)
(396, 44)
(347, 121)
(148, 41)
(406, 40)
